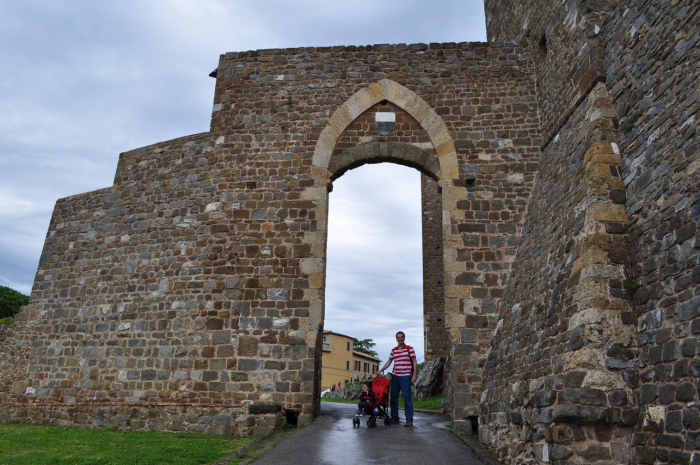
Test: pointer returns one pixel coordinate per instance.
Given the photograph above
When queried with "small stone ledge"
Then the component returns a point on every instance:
(226, 419)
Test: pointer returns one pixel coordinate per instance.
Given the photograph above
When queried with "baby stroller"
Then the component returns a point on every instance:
(379, 409)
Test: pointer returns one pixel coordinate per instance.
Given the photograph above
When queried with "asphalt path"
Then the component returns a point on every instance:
(331, 439)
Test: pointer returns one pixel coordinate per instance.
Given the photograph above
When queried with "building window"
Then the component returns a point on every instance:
(348, 345)
(347, 365)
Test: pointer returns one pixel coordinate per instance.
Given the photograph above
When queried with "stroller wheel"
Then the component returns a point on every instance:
(387, 420)
(355, 422)
(372, 422)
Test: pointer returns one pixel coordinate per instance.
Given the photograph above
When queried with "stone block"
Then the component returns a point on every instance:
(685, 392)
(588, 257)
(583, 396)
(604, 380)
(463, 428)
(689, 310)
(544, 398)
(606, 212)
(577, 413)
(317, 281)
(364, 99)
(457, 292)
(558, 452)
(19, 387)
(596, 452)
(594, 316)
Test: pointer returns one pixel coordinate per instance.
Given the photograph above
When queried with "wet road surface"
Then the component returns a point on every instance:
(331, 439)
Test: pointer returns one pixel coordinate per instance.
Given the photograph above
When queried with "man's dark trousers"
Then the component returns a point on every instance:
(404, 384)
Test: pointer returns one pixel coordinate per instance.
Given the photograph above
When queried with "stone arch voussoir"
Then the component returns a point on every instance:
(402, 97)
(378, 151)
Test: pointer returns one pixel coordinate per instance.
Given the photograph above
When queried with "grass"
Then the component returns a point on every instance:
(56, 445)
(7, 320)
(431, 403)
(338, 401)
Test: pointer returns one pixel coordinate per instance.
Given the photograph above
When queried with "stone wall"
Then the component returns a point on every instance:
(14, 363)
(129, 314)
(558, 375)
(653, 70)
(197, 280)
(438, 344)
(567, 44)
(560, 222)
(555, 399)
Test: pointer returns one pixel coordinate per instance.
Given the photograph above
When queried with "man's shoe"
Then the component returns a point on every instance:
(395, 421)
(409, 422)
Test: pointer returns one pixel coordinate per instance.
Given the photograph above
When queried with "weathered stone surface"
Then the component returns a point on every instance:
(198, 277)
(272, 408)
(577, 413)
(429, 380)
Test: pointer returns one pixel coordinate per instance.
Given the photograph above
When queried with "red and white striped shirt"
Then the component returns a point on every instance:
(402, 360)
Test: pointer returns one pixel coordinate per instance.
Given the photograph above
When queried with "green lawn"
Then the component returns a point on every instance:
(431, 403)
(55, 445)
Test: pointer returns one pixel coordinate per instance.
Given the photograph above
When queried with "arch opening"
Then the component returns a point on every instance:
(374, 274)
(429, 148)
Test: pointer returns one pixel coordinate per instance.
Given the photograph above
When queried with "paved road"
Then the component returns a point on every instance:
(331, 439)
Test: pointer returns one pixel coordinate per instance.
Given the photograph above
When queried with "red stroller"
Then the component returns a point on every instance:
(380, 409)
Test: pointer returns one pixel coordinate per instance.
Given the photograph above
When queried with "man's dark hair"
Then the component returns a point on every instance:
(402, 333)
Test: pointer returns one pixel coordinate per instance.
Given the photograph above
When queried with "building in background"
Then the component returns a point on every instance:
(341, 364)
(337, 361)
(365, 366)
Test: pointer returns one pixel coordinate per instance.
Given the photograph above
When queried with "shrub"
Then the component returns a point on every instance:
(11, 301)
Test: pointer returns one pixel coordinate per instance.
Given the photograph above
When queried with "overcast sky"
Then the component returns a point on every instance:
(82, 81)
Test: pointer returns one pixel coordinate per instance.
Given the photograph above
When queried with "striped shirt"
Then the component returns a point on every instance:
(402, 360)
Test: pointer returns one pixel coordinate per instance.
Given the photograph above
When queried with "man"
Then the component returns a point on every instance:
(405, 370)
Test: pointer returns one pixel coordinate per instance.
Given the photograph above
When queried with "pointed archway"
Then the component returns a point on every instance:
(441, 165)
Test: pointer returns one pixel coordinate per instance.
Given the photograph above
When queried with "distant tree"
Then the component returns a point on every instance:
(11, 301)
(364, 346)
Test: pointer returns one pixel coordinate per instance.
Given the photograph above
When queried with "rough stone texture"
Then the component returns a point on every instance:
(438, 344)
(653, 85)
(560, 167)
(429, 381)
(549, 363)
(197, 279)
(626, 67)
(14, 373)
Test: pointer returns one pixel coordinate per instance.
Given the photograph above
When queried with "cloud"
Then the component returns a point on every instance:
(374, 274)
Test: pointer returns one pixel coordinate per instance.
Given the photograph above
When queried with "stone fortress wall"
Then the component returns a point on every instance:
(583, 369)
(559, 167)
(196, 282)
